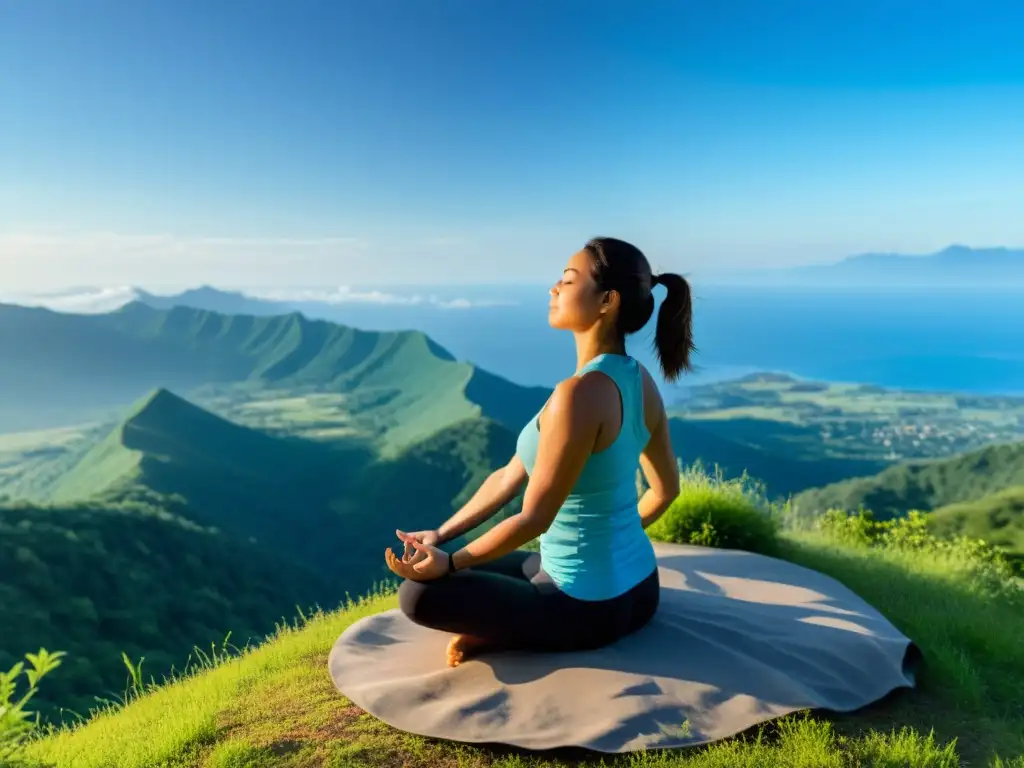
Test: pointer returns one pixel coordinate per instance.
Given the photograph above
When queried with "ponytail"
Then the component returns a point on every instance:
(673, 339)
(620, 266)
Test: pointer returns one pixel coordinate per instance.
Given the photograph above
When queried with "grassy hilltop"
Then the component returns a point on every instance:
(274, 704)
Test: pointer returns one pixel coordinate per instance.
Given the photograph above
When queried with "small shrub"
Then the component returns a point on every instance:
(16, 725)
(713, 512)
(857, 530)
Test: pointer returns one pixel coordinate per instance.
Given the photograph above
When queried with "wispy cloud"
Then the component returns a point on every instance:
(347, 295)
(90, 300)
(80, 301)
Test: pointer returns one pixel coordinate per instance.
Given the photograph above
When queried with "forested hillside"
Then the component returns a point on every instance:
(923, 485)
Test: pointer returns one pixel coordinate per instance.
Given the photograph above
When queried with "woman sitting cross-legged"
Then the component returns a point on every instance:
(595, 579)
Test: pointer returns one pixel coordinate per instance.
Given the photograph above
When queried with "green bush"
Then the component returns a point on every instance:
(980, 563)
(713, 512)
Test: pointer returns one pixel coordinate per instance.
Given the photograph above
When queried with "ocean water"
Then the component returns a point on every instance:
(925, 339)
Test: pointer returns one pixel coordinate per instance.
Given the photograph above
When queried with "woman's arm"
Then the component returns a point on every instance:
(658, 463)
(500, 487)
(567, 439)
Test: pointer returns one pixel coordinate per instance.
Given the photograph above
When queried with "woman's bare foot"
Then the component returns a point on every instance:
(461, 647)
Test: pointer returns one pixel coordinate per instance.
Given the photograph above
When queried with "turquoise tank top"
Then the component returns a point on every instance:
(596, 548)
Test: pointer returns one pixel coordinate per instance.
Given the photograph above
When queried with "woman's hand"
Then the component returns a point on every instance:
(430, 538)
(428, 562)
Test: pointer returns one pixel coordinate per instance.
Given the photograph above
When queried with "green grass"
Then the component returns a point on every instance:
(275, 705)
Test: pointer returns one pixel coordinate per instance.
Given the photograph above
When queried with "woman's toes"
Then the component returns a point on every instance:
(461, 647)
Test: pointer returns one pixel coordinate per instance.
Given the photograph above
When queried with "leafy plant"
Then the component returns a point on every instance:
(974, 559)
(16, 723)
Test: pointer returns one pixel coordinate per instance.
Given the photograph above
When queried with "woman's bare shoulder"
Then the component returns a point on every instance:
(584, 398)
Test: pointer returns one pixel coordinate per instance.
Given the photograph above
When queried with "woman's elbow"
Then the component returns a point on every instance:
(668, 492)
(533, 525)
(672, 492)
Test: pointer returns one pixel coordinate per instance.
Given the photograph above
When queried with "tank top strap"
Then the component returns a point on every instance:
(628, 377)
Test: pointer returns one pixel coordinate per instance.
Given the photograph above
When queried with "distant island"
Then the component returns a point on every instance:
(956, 265)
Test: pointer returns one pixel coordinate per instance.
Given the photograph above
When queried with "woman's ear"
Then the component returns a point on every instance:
(610, 300)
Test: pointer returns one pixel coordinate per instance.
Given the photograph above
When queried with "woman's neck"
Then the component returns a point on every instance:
(589, 346)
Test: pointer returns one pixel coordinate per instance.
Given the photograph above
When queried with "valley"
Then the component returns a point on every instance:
(814, 419)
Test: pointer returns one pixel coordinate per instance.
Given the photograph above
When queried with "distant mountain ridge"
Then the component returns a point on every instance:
(326, 302)
(956, 265)
(64, 366)
(953, 259)
(213, 299)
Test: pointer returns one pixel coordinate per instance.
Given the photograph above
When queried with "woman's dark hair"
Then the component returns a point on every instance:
(621, 267)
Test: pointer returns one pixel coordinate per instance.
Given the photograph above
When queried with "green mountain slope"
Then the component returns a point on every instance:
(439, 474)
(997, 518)
(923, 485)
(178, 502)
(59, 368)
(248, 484)
(299, 496)
(138, 577)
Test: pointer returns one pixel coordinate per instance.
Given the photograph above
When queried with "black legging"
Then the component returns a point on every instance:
(513, 604)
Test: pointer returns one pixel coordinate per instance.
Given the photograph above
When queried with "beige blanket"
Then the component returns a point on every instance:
(739, 639)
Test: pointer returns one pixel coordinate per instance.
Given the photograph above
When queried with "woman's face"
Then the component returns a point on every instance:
(576, 302)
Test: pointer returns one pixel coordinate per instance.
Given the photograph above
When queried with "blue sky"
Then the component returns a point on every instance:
(446, 141)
